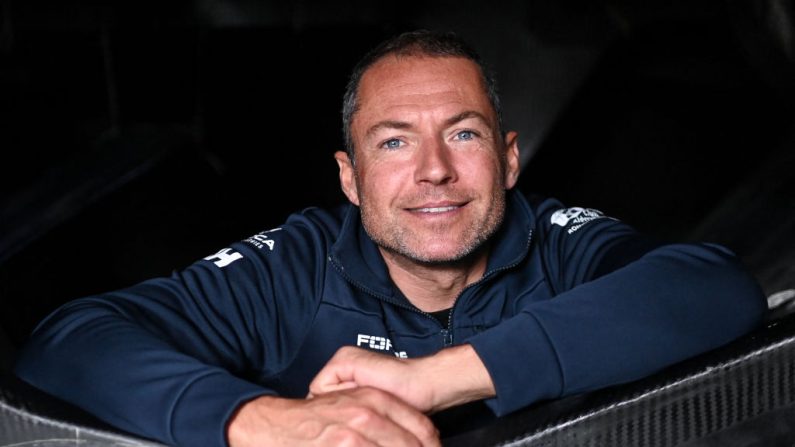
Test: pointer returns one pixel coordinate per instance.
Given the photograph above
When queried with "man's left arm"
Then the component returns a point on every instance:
(673, 303)
(669, 304)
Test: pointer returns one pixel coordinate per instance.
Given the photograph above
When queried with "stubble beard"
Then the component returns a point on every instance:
(402, 241)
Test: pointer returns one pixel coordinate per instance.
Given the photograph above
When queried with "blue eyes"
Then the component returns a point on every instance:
(465, 135)
(395, 143)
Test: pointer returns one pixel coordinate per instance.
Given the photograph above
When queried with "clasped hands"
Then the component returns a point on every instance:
(363, 398)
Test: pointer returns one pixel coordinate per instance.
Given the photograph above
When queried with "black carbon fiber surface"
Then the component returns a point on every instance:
(739, 395)
(30, 418)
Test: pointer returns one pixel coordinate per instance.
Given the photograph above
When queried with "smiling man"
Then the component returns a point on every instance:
(431, 172)
(438, 285)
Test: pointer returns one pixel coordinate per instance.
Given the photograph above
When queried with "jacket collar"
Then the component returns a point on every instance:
(358, 259)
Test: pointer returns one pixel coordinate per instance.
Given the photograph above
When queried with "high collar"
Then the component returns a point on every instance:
(359, 259)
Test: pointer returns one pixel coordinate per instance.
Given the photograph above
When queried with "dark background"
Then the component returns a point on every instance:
(137, 137)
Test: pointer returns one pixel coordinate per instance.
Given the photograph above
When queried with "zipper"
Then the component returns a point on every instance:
(446, 332)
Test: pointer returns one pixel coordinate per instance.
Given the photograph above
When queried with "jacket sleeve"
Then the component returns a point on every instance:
(623, 308)
(168, 359)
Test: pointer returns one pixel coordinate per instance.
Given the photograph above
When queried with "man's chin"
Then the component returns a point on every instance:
(434, 255)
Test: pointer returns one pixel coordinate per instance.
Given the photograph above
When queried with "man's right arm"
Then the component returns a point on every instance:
(146, 360)
(167, 359)
(164, 359)
(90, 354)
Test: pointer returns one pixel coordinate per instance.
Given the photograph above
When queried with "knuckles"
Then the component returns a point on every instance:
(362, 417)
(343, 436)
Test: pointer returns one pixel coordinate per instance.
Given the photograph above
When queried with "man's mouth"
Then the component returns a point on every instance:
(435, 209)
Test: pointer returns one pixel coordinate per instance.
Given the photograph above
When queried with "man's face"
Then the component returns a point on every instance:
(430, 166)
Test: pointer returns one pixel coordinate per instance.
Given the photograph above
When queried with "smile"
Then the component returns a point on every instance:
(437, 208)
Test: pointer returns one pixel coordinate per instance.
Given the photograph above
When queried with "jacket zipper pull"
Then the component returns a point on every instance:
(447, 335)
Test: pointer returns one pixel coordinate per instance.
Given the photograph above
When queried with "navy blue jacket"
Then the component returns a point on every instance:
(571, 301)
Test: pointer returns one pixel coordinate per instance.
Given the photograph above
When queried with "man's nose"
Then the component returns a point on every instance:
(434, 163)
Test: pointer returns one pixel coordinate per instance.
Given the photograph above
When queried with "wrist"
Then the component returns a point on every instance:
(249, 419)
(456, 376)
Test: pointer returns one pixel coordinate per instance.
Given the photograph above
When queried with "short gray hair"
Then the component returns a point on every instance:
(414, 43)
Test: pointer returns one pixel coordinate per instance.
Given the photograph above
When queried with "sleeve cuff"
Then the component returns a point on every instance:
(202, 413)
(523, 371)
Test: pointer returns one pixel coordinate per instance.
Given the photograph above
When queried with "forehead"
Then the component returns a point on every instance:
(416, 84)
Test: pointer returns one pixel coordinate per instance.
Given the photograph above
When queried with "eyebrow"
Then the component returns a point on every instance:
(392, 124)
(388, 124)
(465, 115)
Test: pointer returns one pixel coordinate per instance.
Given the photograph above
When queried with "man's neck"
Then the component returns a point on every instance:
(432, 287)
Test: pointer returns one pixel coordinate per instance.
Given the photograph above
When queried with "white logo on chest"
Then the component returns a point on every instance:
(377, 343)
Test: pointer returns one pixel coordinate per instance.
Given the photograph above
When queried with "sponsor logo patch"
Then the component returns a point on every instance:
(575, 217)
(224, 257)
(262, 240)
(378, 344)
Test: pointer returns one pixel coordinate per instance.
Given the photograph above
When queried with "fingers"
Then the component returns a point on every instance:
(389, 419)
(341, 369)
(450, 377)
(331, 387)
(400, 377)
(362, 367)
(359, 416)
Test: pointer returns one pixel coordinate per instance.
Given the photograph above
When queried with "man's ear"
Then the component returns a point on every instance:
(347, 177)
(512, 163)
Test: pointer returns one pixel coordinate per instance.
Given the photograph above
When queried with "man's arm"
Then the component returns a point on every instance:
(136, 381)
(90, 353)
(673, 303)
(168, 359)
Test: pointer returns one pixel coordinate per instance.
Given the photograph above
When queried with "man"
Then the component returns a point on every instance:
(438, 286)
